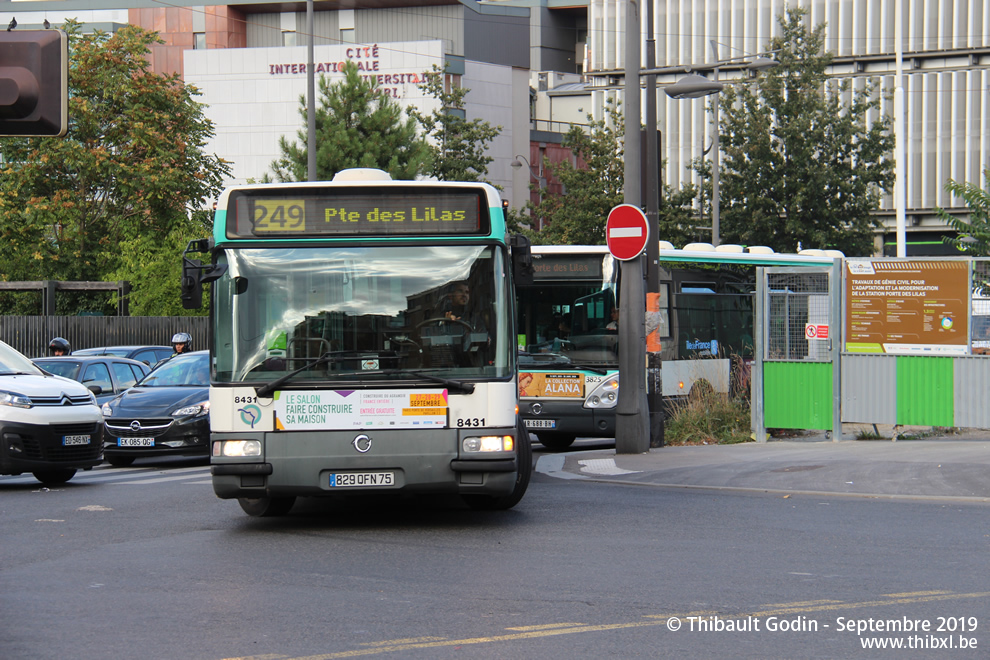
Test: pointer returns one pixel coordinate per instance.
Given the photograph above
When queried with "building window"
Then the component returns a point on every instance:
(199, 41)
(288, 38)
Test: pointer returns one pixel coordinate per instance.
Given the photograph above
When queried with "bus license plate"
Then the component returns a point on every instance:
(540, 423)
(361, 479)
(70, 440)
(135, 442)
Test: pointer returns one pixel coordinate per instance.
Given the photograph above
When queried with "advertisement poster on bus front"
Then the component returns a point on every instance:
(352, 409)
(907, 307)
(551, 385)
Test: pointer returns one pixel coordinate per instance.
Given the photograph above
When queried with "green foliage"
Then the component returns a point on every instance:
(132, 166)
(357, 125)
(974, 233)
(153, 266)
(457, 145)
(594, 187)
(708, 417)
(800, 164)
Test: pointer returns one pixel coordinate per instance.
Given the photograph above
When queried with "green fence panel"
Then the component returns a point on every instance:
(797, 395)
(925, 393)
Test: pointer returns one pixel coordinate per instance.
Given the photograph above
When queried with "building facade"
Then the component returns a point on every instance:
(946, 80)
(249, 61)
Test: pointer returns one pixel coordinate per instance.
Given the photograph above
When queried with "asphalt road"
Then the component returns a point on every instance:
(146, 563)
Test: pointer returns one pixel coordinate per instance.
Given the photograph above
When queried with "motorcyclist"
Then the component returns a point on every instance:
(181, 343)
(58, 346)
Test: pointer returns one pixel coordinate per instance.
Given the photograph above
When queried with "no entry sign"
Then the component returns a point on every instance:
(626, 232)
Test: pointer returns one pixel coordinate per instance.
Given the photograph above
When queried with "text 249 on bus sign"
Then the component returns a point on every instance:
(626, 232)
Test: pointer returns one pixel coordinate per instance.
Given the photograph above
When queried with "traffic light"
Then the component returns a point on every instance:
(34, 75)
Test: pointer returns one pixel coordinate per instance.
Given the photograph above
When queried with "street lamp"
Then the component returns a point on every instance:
(540, 180)
(695, 86)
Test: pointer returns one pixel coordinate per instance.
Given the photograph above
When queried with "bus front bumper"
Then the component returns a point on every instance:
(317, 464)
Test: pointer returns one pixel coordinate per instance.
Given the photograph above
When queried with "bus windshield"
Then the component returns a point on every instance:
(363, 313)
(567, 317)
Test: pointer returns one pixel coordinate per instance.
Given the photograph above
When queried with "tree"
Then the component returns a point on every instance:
(594, 186)
(457, 145)
(357, 125)
(801, 166)
(131, 167)
(974, 234)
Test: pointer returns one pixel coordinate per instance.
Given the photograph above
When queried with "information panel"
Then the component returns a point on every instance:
(907, 307)
(360, 409)
(307, 213)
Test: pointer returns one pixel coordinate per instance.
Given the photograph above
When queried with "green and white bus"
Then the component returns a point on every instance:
(568, 335)
(363, 341)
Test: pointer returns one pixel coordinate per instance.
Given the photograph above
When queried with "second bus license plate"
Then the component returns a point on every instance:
(361, 479)
(540, 423)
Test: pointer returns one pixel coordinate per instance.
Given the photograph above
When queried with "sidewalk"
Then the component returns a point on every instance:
(955, 466)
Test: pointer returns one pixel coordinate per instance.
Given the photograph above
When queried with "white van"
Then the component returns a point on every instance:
(49, 426)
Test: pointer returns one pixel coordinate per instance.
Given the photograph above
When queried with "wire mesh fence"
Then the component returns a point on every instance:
(796, 301)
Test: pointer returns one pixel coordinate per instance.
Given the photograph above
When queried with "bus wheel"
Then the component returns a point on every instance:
(524, 458)
(266, 507)
(556, 441)
(54, 476)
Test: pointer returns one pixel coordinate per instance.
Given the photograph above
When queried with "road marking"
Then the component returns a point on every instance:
(410, 640)
(802, 603)
(122, 475)
(141, 482)
(917, 593)
(554, 466)
(604, 466)
(548, 626)
(548, 630)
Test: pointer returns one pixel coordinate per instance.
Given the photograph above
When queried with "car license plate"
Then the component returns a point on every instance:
(361, 479)
(135, 442)
(540, 423)
(70, 440)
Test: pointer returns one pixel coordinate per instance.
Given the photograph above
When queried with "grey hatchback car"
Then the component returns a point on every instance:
(150, 355)
(105, 376)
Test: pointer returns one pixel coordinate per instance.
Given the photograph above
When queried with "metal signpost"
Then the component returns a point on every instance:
(627, 233)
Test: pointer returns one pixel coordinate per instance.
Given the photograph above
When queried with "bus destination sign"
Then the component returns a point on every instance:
(302, 213)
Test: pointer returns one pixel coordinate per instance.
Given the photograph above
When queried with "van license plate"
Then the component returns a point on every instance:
(361, 479)
(70, 440)
(135, 442)
(540, 423)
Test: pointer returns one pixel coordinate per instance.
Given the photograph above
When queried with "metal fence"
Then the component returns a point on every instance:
(30, 334)
(795, 300)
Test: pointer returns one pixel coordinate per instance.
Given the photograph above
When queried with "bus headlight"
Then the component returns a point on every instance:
(237, 448)
(488, 443)
(606, 395)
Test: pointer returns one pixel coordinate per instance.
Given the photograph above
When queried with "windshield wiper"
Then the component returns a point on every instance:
(266, 391)
(459, 385)
(588, 367)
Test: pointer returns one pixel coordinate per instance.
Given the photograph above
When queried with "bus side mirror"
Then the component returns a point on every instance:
(195, 274)
(522, 260)
(191, 289)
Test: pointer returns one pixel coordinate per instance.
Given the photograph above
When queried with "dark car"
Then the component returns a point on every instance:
(105, 376)
(165, 414)
(150, 355)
